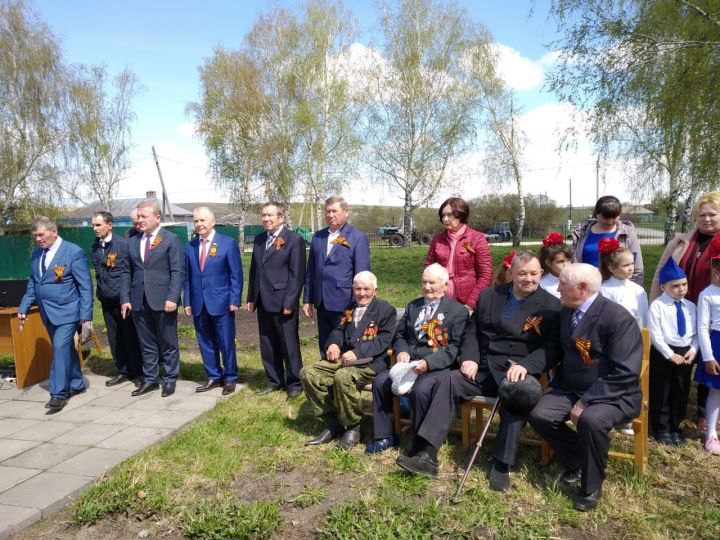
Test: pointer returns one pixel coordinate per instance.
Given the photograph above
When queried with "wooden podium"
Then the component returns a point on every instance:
(31, 347)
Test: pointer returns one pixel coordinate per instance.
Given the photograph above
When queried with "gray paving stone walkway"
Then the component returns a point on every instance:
(47, 460)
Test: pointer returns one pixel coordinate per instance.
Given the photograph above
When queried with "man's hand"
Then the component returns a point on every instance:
(690, 356)
(469, 369)
(712, 367)
(576, 411)
(251, 306)
(348, 356)
(677, 359)
(188, 310)
(233, 308)
(307, 310)
(421, 367)
(170, 306)
(333, 353)
(287, 311)
(402, 357)
(516, 373)
(125, 309)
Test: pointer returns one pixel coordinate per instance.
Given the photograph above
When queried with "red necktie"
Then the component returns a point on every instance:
(203, 254)
(147, 249)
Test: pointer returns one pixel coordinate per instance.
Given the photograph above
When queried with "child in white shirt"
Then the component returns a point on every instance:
(554, 256)
(617, 265)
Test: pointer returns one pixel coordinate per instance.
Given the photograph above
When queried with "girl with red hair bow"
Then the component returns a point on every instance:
(554, 256)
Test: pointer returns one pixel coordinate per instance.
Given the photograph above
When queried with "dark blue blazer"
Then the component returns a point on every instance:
(329, 278)
(277, 275)
(160, 278)
(112, 265)
(64, 293)
(220, 283)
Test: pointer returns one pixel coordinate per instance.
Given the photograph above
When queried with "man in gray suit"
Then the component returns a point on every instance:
(152, 292)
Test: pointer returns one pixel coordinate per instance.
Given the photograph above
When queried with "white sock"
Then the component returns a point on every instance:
(712, 407)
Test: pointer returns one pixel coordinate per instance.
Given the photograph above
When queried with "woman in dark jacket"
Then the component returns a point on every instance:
(463, 251)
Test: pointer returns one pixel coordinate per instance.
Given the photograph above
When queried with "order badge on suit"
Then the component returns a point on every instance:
(212, 293)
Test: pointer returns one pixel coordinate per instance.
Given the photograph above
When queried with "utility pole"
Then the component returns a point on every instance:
(167, 210)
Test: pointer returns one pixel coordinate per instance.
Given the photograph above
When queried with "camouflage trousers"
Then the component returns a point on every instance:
(347, 383)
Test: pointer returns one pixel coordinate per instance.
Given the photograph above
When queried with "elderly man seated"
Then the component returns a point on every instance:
(429, 332)
(513, 334)
(356, 350)
(597, 386)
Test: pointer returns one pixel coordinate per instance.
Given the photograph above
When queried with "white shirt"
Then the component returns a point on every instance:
(105, 241)
(332, 236)
(662, 322)
(550, 284)
(708, 318)
(209, 242)
(629, 295)
(52, 250)
(582, 308)
(272, 235)
(145, 240)
(359, 313)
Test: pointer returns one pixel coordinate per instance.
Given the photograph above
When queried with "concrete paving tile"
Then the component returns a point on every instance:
(193, 403)
(168, 419)
(15, 518)
(92, 462)
(13, 447)
(135, 438)
(10, 476)
(124, 416)
(44, 432)
(84, 415)
(88, 435)
(151, 402)
(9, 426)
(24, 409)
(46, 491)
(33, 393)
(114, 399)
(44, 455)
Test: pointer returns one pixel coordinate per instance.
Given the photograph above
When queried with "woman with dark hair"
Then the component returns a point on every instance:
(606, 223)
(463, 251)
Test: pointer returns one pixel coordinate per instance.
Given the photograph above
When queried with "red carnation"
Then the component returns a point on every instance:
(608, 245)
(553, 238)
(507, 261)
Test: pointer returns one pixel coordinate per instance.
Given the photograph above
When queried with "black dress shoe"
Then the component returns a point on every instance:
(664, 438)
(77, 391)
(267, 390)
(208, 386)
(420, 463)
(350, 438)
(144, 388)
(499, 477)
(168, 389)
(228, 387)
(571, 477)
(325, 436)
(587, 502)
(117, 379)
(677, 438)
(55, 404)
(295, 392)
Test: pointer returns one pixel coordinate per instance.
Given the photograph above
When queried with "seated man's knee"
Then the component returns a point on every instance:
(343, 377)
(591, 420)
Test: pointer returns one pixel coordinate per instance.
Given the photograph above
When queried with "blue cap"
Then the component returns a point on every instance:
(671, 271)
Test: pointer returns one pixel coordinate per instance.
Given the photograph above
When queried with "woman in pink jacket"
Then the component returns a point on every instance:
(463, 251)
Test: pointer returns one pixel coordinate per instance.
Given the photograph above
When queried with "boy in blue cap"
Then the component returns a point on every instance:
(672, 323)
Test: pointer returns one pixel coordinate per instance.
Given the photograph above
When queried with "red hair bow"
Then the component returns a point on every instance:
(507, 261)
(553, 238)
(608, 245)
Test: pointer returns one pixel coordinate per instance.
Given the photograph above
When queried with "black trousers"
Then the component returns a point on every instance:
(326, 321)
(280, 347)
(451, 389)
(123, 340)
(669, 391)
(158, 338)
(588, 446)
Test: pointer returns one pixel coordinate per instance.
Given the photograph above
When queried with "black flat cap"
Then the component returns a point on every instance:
(520, 397)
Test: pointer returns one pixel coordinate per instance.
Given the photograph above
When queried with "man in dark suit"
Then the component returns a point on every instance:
(134, 229)
(337, 253)
(430, 333)
(596, 387)
(61, 286)
(152, 292)
(513, 334)
(212, 293)
(277, 272)
(355, 352)
(111, 261)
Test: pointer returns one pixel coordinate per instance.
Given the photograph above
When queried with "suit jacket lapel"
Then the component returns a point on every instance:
(498, 301)
(49, 274)
(368, 316)
(526, 309)
(269, 251)
(588, 319)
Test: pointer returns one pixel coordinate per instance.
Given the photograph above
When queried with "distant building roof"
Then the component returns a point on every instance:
(637, 211)
(121, 208)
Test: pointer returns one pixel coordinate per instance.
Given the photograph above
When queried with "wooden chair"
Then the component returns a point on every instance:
(79, 345)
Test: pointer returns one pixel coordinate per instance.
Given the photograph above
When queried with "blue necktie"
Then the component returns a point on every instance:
(680, 318)
(43, 266)
(573, 319)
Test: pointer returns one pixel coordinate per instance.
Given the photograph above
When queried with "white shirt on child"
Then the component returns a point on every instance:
(662, 323)
(629, 295)
(708, 318)
(550, 284)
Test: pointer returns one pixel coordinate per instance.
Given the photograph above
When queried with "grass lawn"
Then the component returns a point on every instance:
(241, 471)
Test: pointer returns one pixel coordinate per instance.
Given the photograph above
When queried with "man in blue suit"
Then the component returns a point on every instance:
(61, 286)
(337, 253)
(152, 292)
(277, 272)
(212, 293)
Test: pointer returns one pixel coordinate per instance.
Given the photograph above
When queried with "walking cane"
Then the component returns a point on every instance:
(456, 497)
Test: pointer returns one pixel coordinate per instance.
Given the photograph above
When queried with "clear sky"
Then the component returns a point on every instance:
(165, 41)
